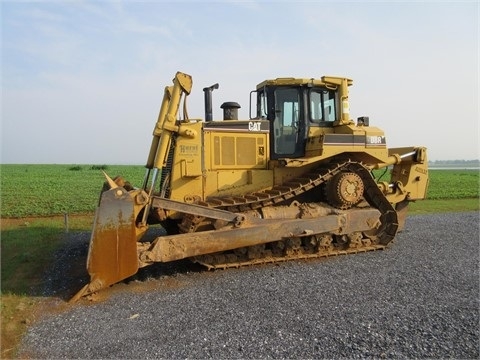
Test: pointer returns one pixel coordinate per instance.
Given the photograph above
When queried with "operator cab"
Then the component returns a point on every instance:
(293, 106)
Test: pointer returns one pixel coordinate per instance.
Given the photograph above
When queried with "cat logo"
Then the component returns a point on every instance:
(254, 126)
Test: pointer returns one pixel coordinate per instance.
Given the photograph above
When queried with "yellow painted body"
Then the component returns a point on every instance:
(219, 163)
(233, 157)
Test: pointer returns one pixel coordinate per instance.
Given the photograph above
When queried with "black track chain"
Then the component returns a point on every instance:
(375, 197)
(211, 262)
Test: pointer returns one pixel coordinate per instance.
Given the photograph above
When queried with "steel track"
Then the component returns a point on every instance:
(288, 191)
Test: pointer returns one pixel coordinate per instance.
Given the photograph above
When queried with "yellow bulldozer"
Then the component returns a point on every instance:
(294, 181)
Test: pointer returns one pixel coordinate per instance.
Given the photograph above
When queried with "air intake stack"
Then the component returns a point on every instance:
(230, 110)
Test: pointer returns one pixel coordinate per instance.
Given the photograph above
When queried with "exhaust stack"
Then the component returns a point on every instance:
(208, 102)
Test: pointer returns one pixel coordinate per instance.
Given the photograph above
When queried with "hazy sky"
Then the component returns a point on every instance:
(82, 81)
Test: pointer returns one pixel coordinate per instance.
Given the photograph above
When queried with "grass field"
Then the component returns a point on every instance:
(46, 190)
(35, 199)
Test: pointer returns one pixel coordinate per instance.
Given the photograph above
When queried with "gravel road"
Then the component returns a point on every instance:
(417, 299)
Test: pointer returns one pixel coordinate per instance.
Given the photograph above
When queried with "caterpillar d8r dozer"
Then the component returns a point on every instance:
(294, 181)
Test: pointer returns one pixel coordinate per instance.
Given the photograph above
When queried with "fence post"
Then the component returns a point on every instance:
(65, 220)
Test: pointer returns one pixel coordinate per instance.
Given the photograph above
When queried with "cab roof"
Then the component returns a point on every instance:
(290, 81)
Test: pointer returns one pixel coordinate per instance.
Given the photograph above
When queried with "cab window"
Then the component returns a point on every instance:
(322, 106)
(262, 109)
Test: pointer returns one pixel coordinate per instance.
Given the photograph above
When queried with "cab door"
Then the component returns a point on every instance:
(287, 123)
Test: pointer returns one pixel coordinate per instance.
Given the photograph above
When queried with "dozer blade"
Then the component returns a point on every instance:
(112, 255)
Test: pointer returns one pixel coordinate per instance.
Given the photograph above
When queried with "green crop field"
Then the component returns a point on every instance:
(453, 184)
(46, 190)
